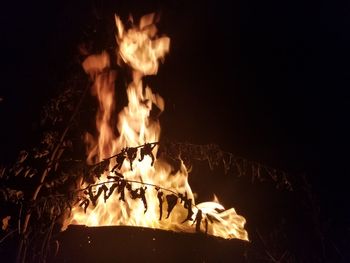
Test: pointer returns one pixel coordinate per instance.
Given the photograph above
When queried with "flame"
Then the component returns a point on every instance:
(141, 49)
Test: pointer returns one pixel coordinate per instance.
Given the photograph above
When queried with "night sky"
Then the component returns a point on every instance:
(266, 80)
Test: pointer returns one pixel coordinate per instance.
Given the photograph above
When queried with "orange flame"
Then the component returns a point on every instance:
(141, 49)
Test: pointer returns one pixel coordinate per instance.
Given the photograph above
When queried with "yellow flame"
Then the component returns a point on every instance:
(138, 46)
(141, 49)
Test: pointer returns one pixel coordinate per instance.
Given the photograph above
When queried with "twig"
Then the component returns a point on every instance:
(283, 255)
(138, 182)
(115, 155)
(7, 235)
(130, 181)
(19, 219)
(266, 251)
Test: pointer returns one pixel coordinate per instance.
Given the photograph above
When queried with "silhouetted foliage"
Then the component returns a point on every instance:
(175, 152)
(187, 203)
(100, 168)
(147, 150)
(160, 199)
(119, 160)
(131, 154)
(198, 220)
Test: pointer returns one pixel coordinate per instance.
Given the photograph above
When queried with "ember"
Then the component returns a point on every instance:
(135, 186)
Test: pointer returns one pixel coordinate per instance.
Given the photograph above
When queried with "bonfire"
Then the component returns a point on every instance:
(128, 175)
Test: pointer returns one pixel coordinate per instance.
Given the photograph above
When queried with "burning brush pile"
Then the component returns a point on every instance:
(130, 177)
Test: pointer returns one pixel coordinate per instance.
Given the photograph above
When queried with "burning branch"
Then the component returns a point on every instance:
(145, 149)
(120, 182)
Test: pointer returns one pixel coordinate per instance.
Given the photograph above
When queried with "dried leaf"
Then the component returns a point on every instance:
(85, 203)
(134, 193)
(188, 206)
(131, 153)
(160, 199)
(18, 170)
(198, 220)
(38, 155)
(22, 156)
(206, 225)
(32, 173)
(100, 168)
(2, 172)
(143, 197)
(147, 150)
(171, 200)
(119, 160)
(121, 189)
(93, 198)
(111, 190)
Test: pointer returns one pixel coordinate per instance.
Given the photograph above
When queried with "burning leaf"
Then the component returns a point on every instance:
(160, 199)
(131, 153)
(147, 150)
(171, 200)
(121, 189)
(187, 205)
(100, 168)
(206, 225)
(198, 220)
(134, 193)
(139, 193)
(143, 197)
(93, 198)
(119, 160)
(85, 203)
(111, 190)
(128, 186)
(88, 176)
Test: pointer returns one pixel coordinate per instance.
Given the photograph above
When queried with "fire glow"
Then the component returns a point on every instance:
(141, 49)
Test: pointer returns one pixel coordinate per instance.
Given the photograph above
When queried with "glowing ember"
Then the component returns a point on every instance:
(141, 49)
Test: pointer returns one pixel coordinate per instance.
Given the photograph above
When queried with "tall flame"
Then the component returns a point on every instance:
(141, 49)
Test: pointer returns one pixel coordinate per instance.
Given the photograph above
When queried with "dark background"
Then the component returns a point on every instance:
(266, 80)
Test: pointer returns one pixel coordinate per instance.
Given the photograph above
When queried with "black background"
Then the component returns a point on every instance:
(266, 80)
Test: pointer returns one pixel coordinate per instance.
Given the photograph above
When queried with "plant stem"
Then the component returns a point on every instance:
(56, 154)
